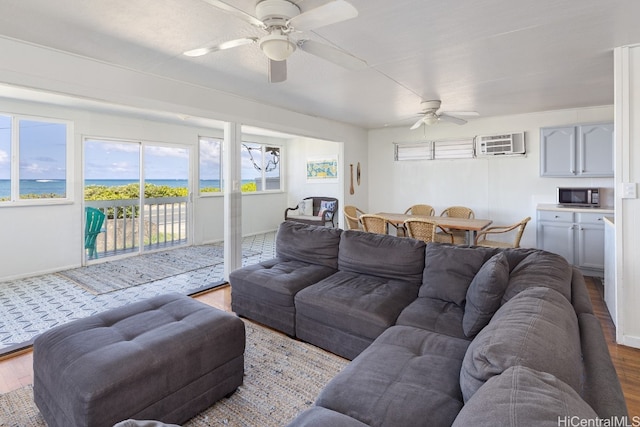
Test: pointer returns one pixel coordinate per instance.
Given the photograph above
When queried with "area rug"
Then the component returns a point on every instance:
(140, 269)
(282, 378)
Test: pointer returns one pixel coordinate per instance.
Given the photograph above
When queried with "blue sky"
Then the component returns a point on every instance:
(42, 149)
(121, 160)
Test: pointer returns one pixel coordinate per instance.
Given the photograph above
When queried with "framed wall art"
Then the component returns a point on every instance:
(322, 170)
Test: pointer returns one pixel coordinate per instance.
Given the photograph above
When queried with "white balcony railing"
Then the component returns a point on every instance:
(163, 222)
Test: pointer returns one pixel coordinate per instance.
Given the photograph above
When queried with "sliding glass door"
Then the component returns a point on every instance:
(141, 191)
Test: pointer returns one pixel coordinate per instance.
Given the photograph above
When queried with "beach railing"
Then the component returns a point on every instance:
(162, 223)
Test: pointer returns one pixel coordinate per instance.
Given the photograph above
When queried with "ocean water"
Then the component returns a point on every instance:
(57, 186)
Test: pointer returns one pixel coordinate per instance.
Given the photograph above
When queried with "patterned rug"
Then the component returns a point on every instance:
(282, 378)
(136, 270)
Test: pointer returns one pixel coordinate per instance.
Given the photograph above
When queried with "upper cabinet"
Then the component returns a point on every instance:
(577, 151)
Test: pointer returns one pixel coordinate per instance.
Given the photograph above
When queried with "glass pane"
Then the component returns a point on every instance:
(112, 184)
(210, 165)
(166, 169)
(111, 170)
(166, 188)
(43, 153)
(251, 174)
(5, 158)
(272, 168)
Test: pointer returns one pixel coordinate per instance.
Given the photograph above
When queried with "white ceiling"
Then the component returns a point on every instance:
(496, 57)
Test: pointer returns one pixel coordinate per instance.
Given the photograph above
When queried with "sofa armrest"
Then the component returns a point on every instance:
(286, 211)
(601, 388)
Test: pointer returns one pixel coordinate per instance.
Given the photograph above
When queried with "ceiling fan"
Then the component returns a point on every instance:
(431, 115)
(281, 18)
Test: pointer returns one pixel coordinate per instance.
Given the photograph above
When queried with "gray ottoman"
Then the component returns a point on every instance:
(166, 358)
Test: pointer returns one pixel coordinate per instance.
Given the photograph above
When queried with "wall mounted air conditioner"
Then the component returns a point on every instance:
(496, 145)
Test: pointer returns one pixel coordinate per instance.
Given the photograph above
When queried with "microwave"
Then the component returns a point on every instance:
(573, 196)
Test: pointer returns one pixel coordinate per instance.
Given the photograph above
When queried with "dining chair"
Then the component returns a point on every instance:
(459, 236)
(426, 210)
(425, 230)
(518, 229)
(352, 217)
(374, 223)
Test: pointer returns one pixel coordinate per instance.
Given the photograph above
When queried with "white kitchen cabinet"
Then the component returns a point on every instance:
(576, 235)
(577, 150)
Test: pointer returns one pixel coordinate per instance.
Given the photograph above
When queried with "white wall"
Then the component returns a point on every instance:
(504, 189)
(627, 235)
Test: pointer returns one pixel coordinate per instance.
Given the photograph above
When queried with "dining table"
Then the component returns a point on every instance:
(470, 225)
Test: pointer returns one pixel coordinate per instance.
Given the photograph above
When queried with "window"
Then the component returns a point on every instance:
(416, 151)
(260, 167)
(33, 159)
(210, 165)
(453, 149)
(434, 150)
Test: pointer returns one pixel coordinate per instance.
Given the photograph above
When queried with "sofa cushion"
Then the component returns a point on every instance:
(555, 269)
(277, 280)
(485, 294)
(434, 315)
(406, 377)
(524, 397)
(537, 328)
(448, 271)
(308, 243)
(357, 303)
(381, 255)
(317, 416)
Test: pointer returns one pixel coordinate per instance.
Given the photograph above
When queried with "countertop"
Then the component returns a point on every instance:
(551, 207)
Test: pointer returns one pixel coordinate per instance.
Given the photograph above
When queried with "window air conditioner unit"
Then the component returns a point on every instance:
(496, 145)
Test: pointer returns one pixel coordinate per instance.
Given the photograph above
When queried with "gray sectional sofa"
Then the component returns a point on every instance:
(438, 334)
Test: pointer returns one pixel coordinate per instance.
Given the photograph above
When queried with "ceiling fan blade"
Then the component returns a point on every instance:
(222, 46)
(332, 54)
(417, 124)
(447, 118)
(461, 113)
(327, 14)
(277, 71)
(236, 12)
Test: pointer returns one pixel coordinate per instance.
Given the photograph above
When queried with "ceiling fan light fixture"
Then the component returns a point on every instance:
(431, 120)
(277, 47)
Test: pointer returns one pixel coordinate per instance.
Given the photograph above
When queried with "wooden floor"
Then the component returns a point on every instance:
(16, 370)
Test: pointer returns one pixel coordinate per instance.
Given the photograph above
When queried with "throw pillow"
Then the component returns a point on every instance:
(537, 328)
(485, 294)
(449, 270)
(301, 207)
(524, 397)
(328, 205)
(308, 207)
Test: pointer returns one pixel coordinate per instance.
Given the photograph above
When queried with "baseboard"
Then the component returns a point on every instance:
(630, 341)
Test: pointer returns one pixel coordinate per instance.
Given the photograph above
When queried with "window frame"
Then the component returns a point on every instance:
(199, 165)
(263, 146)
(14, 162)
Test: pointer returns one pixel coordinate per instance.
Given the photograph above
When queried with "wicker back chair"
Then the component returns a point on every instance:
(374, 223)
(518, 228)
(459, 236)
(425, 230)
(421, 210)
(352, 217)
(458, 212)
